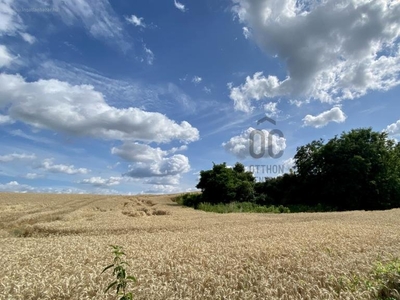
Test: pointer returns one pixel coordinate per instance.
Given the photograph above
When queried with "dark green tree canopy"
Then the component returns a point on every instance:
(358, 170)
(224, 185)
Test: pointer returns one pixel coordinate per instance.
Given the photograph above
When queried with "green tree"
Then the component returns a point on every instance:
(359, 170)
(225, 185)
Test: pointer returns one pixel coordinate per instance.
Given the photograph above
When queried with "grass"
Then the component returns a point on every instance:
(194, 200)
(191, 254)
(242, 207)
(306, 208)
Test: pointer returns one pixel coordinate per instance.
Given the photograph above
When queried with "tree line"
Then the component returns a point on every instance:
(360, 170)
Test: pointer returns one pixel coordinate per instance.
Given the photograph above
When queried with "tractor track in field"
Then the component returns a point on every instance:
(46, 214)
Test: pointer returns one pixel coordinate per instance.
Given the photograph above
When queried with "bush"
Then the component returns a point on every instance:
(283, 209)
(263, 199)
(189, 199)
(242, 207)
(309, 208)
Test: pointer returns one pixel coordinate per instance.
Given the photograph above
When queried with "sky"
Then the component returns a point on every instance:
(130, 97)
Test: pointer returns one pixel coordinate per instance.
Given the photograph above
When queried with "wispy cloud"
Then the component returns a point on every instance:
(180, 6)
(49, 166)
(196, 79)
(136, 21)
(98, 18)
(207, 90)
(17, 156)
(246, 32)
(102, 182)
(32, 176)
(163, 97)
(38, 139)
(16, 187)
(149, 55)
(6, 57)
(28, 37)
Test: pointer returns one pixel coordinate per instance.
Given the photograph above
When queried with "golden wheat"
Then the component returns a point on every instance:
(55, 246)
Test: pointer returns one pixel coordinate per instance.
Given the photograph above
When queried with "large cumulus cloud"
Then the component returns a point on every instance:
(332, 50)
(81, 110)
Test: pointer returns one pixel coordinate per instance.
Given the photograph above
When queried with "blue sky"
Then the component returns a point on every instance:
(139, 96)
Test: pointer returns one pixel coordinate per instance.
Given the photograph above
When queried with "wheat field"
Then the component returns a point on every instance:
(55, 247)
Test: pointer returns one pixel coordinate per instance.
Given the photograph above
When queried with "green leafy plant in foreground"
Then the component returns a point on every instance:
(382, 282)
(387, 278)
(122, 279)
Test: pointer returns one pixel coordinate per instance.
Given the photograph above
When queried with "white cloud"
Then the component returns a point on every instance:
(289, 164)
(271, 109)
(180, 6)
(5, 57)
(149, 55)
(10, 21)
(14, 186)
(113, 166)
(177, 149)
(49, 166)
(5, 120)
(167, 180)
(333, 115)
(102, 182)
(239, 145)
(82, 111)
(28, 37)
(196, 79)
(184, 78)
(162, 189)
(33, 176)
(136, 21)
(151, 162)
(16, 156)
(150, 97)
(174, 165)
(135, 152)
(332, 50)
(257, 88)
(37, 139)
(98, 18)
(298, 103)
(246, 32)
(207, 90)
(393, 129)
